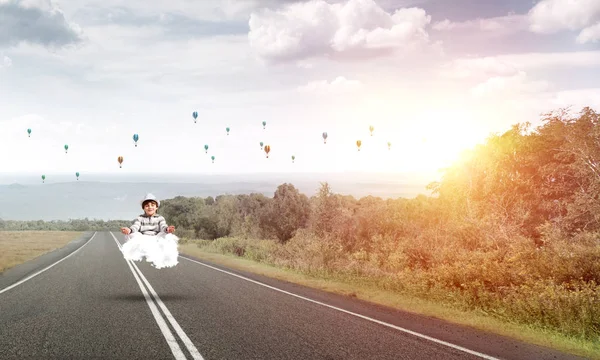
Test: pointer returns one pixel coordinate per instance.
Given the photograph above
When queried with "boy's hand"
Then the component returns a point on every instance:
(125, 230)
(171, 229)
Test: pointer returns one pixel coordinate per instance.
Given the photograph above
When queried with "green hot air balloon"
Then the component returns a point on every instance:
(77, 175)
(227, 131)
(66, 148)
(213, 159)
(29, 132)
(206, 149)
(264, 124)
(261, 145)
(389, 145)
(293, 158)
(43, 178)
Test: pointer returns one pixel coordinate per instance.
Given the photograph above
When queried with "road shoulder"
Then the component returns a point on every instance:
(21, 271)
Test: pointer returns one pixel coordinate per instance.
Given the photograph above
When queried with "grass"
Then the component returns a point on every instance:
(348, 286)
(21, 246)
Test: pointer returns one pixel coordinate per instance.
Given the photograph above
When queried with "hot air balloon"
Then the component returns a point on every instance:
(261, 145)
(227, 130)
(358, 144)
(120, 160)
(389, 145)
(324, 138)
(195, 116)
(29, 132)
(135, 138)
(267, 150)
(293, 158)
(43, 178)
(66, 148)
(213, 159)
(371, 128)
(77, 175)
(264, 124)
(206, 149)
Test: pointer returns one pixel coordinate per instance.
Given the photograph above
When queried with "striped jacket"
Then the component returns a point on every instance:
(149, 225)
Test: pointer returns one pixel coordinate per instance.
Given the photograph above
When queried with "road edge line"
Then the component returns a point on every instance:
(423, 336)
(48, 267)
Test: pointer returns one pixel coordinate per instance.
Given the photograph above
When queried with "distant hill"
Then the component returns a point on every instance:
(109, 200)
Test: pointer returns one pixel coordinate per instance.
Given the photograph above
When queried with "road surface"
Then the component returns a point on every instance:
(86, 302)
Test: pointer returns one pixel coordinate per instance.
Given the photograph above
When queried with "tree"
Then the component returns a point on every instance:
(288, 212)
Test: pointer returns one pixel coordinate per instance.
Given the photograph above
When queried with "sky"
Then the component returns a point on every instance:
(433, 79)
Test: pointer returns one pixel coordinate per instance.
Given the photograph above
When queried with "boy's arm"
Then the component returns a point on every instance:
(162, 224)
(137, 224)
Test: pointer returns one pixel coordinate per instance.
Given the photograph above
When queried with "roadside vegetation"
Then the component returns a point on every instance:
(511, 232)
(21, 246)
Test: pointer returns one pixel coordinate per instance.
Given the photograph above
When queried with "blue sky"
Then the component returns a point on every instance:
(433, 80)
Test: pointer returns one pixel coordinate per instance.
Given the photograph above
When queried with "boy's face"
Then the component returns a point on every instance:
(150, 208)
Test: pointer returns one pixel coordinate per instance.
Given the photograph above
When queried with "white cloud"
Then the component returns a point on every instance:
(589, 34)
(6, 62)
(513, 85)
(550, 16)
(497, 25)
(36, 21)
(511, 64)
(339, 85)
(358, 28)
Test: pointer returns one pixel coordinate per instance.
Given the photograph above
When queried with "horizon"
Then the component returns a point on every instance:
(185, 178)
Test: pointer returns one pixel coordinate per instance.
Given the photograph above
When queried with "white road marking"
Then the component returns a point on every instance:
(186, 340)
(48, 267)
(164, 328)
(352, 313)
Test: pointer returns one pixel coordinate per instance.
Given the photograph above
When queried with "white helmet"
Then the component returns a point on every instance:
(150, 197)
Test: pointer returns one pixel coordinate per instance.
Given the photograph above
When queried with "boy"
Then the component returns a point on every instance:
(151, 237)
(149, 223)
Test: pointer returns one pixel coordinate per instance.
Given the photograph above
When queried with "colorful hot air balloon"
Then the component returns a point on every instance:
(213, 159)
(120, 160)
(195, 116)
(264, 124)
(66, 148)
(389, 145)
(267, 150)
(29, 132)
(371, 128)
(43, 178)
(227, 130)
(293, 158)
(206, 149)
(261, 145)
(135, 138)
(324, 138)
(77, 175)
(358, 144)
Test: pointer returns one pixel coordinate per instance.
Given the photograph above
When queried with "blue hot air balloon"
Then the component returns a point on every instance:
(195, 115)
(136, 138)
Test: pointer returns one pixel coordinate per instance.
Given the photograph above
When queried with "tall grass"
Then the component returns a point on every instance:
(554, 287)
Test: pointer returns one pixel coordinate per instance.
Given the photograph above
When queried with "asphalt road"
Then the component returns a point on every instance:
(93, 304)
